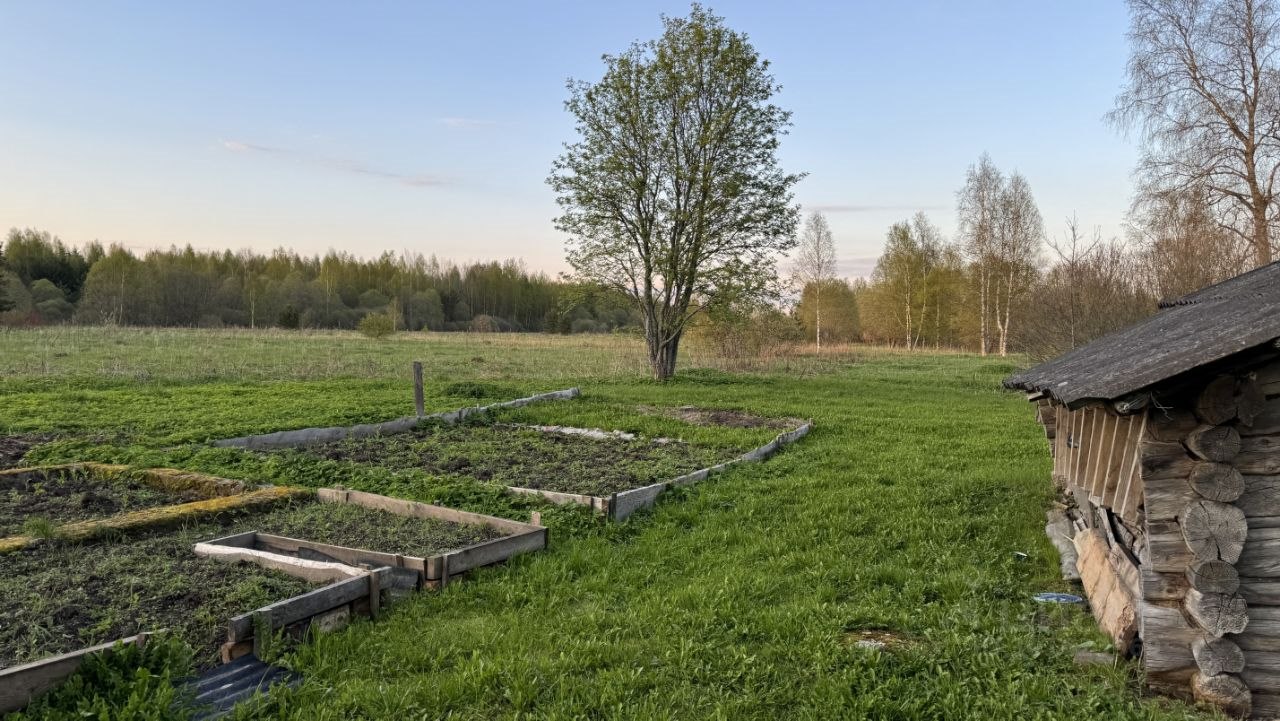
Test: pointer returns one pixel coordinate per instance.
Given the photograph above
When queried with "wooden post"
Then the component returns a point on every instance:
(418, 403)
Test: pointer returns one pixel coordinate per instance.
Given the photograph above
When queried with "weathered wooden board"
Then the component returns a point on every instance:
(20, 684)
(1157, 586)
(1108, 593)
(1259, 455)
(1261, 497)
(1164, 459)
(1268, 378)
(304, 606)
(1167, 497)
(1166, 549)
(626, 503)
(417, 509)
(1265, 705)
(1260, 591)
(1166, 640)
(1261, 555)
(308, 570)
(1131, 486)
(341, 554)
(1267, 422)
(1263, 631)
(495, 551)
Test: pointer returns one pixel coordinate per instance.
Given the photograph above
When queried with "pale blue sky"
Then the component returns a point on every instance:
(431, 126)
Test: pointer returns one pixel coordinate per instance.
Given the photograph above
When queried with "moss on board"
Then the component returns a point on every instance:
(157, 517)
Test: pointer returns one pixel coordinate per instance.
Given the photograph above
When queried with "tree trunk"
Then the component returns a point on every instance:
(1261, 236)
(817, 310)
(982, 305)
(662, 357)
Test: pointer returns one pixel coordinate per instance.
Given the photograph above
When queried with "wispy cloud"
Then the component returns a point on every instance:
(856, 267)
(339, 164)
(837, 208)
(456, 122)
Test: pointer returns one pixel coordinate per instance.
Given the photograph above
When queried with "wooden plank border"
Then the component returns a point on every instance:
(618, 506)
(436, 570)
(19, 685)
(311, 436)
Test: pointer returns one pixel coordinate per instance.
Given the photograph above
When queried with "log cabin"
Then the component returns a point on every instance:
(1165, 438)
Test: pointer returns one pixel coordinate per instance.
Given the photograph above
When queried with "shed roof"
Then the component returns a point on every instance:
(1198, 328)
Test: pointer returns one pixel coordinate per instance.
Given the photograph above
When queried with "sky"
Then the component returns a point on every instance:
(431, 126)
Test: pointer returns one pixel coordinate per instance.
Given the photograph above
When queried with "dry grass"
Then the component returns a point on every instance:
(141, 355)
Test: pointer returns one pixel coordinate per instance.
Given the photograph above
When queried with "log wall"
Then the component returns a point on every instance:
(1189, 490)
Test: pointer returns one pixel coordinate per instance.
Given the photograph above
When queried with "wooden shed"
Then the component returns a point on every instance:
(1165, 439)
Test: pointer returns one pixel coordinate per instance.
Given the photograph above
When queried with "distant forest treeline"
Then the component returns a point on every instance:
(44, 281)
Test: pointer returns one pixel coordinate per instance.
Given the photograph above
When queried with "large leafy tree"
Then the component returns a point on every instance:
(1204, 93)
(673, 193)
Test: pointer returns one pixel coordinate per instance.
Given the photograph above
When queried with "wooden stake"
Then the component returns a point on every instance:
(418, 402)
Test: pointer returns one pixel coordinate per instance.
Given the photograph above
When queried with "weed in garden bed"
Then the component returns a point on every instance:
(65, 495)
(525, 458)
(62, 596)
(14, 448)
(344, 524)
(727, 418)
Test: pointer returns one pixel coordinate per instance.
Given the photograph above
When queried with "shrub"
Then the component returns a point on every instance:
(584, 325)
(377, 325)
(290, 318)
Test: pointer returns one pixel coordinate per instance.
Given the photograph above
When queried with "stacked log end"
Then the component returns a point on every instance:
(1199, 492)
(1172, 507)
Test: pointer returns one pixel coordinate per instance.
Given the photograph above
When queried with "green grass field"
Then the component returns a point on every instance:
(902, 514)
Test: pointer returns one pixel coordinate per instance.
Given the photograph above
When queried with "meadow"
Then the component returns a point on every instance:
(913, 513)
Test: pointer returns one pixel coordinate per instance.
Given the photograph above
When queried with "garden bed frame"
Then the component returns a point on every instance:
(312, 436)
(221, 494)
(618, 506)
(359, 576)
(20, 684)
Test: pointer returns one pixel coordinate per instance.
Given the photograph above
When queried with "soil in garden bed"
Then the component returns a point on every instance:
(14, 448)
(726, 418)
(58, 597)
(345, 524)
(526, 458)
(34, 502)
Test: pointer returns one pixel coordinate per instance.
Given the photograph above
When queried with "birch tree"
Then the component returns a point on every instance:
(815, 265)
(1203, 91)
(673, 193)
(977, 208)
(1019, 235)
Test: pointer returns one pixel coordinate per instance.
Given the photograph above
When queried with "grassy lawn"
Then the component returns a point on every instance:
(902, 514)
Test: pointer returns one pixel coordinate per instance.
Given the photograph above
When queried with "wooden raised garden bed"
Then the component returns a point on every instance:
(82, 573)
(617, 506)
(79, 501)
(359, 577)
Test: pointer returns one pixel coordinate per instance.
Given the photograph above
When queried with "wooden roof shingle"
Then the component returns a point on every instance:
(1194, 330)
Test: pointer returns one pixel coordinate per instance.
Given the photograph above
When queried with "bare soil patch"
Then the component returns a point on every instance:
(57, 597)
(725, 418)
(34, 498)
(526, 458)
(14, 448)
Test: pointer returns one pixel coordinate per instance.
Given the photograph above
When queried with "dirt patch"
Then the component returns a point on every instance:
(36, 500)
(527, 458)
(14, 448)
(58, 597)
(344, 524)
(725, 418)
(876, 639)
